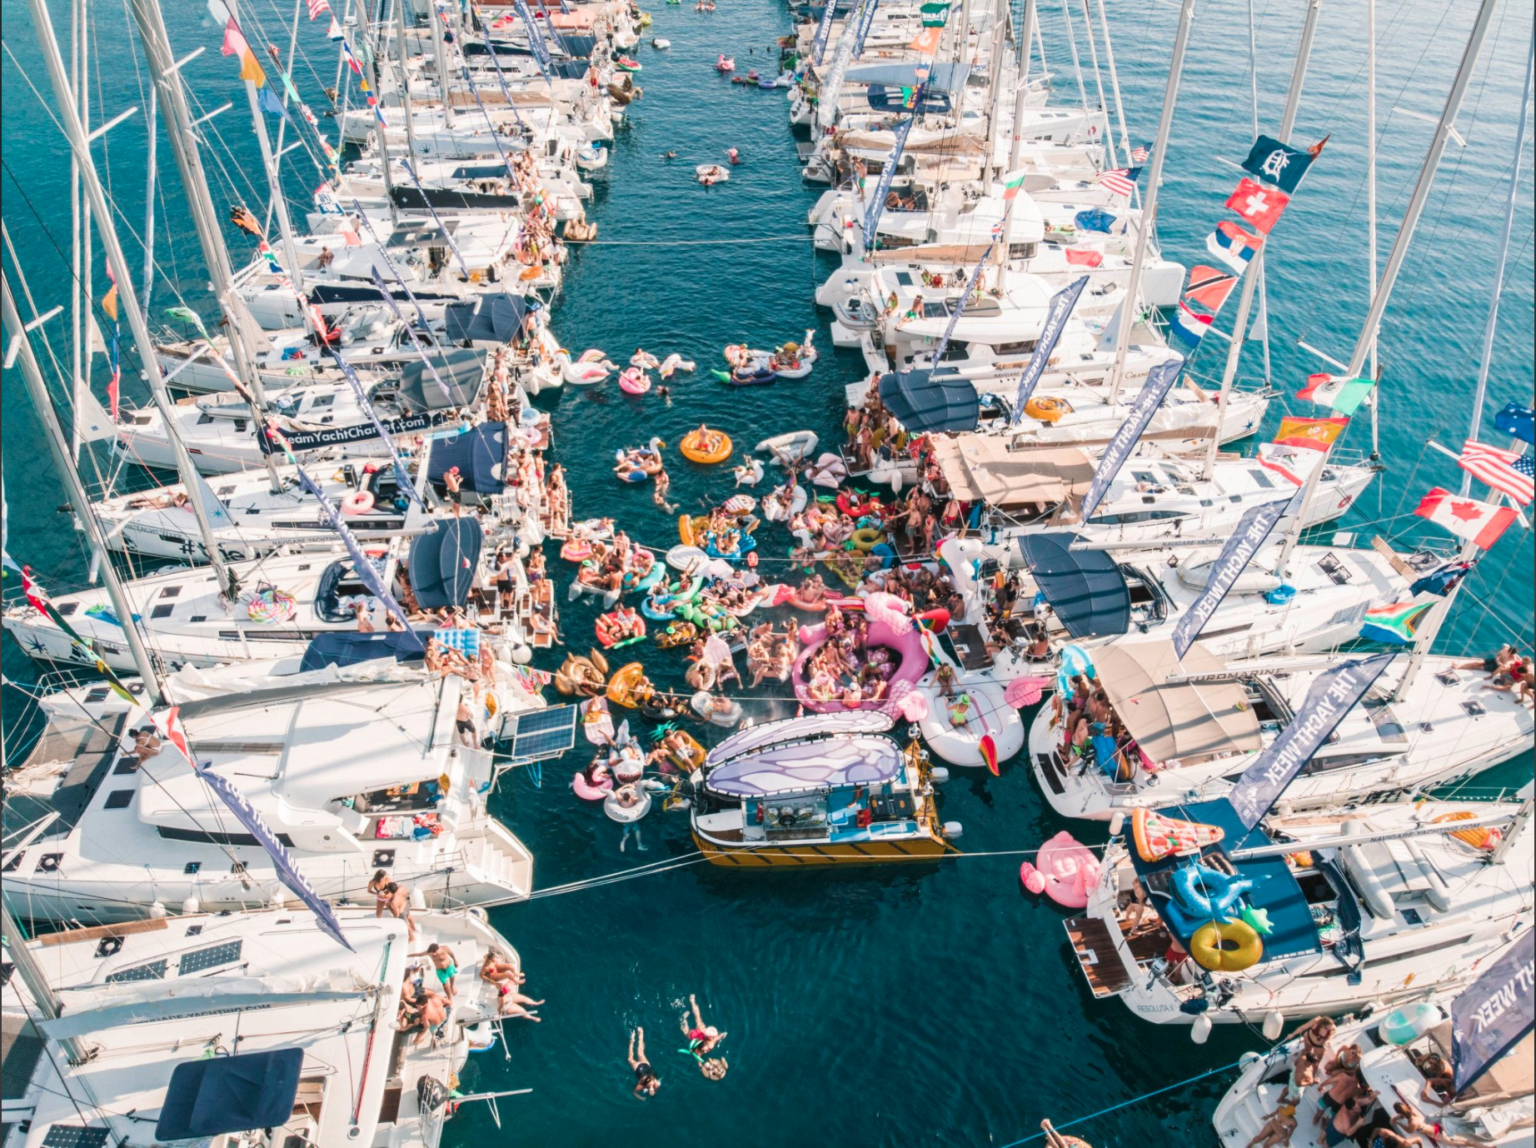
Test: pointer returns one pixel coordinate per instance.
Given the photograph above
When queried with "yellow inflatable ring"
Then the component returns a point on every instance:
(492, 704)
(627, 685)
(693, 448)
(1480, 838)
(866, 538)
(690, 529)
(1046, 409)
(1226, 948)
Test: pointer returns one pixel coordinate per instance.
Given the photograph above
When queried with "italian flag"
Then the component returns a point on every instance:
(1395, 624)
(1012, 183)
(1340, 394)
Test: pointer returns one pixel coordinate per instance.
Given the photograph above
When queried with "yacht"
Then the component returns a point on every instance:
(351, 776)
(1197, 723)
(1374, 905)
(245, 1028)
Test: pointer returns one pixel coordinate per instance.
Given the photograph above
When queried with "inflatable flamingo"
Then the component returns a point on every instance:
(1066, 870)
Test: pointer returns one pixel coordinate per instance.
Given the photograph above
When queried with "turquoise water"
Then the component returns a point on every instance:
(867, 1007)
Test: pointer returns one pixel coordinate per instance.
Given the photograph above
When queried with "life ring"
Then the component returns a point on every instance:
(695, 449)
(358, 502)
(866, 538)
(1047, 409)
(1226, 947)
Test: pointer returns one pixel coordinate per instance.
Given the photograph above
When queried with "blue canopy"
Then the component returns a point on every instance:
(891, 99)
(1084, 587)
(942, 77)
(230, 1094)
(922, 403)
(480, 453)
(346, 648)
(578, 46)
(1094, 219)
(490, 319)
(1275, 890)
(443, 562)
(460, 369)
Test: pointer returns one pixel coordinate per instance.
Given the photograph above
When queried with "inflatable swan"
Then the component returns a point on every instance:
(829, 471)
(592, 367)
(675, 362)
(750, 473)
(644, 360)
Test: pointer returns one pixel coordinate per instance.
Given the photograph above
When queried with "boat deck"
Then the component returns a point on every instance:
(1095, 951)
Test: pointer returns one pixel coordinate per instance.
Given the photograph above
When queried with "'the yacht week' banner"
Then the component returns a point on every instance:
(246, 814)
(535, 37)
(362, 565)
(822, 30)
(864, 26)
(1253, 529)
(888, 172)
(1332, 695)
(402, 476)
(1493, 1015)
(1160, 380)
(1057, 313)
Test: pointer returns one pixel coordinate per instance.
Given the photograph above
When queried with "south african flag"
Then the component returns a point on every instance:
(1395, 624)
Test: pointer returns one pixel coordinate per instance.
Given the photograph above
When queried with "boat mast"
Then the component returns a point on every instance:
(165, 76)
(1343, 840)
(1114, 81)
(1098, 80)
(1491, 327)
(127, 294)
(439, 52)
(1016, 141)
(80, 503)
(1370, 200)
(1149, 210)
(1077, 63)
(405, 92)
(31, 973)
(1251, 279)
(80, 219)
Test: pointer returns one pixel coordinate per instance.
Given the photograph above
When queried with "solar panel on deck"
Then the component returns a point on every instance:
(211, 957)
(74, 1136)
(544, 733)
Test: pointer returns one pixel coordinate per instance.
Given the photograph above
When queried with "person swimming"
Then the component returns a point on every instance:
(646, 1081)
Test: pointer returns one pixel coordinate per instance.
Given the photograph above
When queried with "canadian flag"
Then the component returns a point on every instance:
(168, 725)
(1259, 205)
(1478, 522)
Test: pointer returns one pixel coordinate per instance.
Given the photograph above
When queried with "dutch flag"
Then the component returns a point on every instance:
(1189, 325)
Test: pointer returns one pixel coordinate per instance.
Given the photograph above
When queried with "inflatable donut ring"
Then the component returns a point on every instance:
(694, 450)
(358, 502)
(1228, 947)
(1047, 410)
(866, 538)
(270, 606)
(577, 550)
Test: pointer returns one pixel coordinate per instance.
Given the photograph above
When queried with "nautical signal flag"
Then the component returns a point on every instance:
(1503, 470)
(1280, 164)
(235, 45)
(1395, 624)
(335, 31)
(1209, 287)
(1189, 325)
(1478, 522)
(1261, 206)
(1233, 246)
(1340, 394)
(1119, 181)
(1313, 434)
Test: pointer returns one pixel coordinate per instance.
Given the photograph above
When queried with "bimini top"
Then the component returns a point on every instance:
(1184, 720)
(943, 76)
(230, 1094)
(799, 766)
(1084, 587)
(480, 453)
(443, 562)
(982, 467)
(757, 737)
(922, 403)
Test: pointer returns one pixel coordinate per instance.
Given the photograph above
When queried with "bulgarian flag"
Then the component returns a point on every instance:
(1336, 393)
(1478, 522)
(1395, 624)
(1013, 183)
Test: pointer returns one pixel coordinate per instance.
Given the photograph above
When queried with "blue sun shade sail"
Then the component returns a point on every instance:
(922, 403)
(480, 453)
(344, 648)
(1084, 587)
(887, 99)
(443, 562)
(230, 1094)
(494, 319)
(1274, 891)
(942, 77)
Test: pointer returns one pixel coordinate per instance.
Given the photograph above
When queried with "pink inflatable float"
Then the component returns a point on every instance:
(907, 648)
(589, 792)
(1065, 870)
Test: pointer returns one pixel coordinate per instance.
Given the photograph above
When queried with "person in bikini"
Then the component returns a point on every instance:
(702, 1040)
(646, 1081)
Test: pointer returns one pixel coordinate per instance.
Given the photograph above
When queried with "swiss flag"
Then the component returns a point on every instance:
(1478, 522)
(1261, 206)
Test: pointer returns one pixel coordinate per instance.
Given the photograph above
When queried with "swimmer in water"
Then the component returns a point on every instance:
(669, 155)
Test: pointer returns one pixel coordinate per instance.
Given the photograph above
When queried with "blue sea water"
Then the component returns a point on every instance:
(864, 1007)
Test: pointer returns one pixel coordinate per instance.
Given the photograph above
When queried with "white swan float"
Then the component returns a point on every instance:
(592, 367)
(675, 362)
(749, 473)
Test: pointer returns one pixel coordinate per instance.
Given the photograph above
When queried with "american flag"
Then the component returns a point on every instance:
(316, 7)
(1140, 155)
(1120, 181)
(1503, 470)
